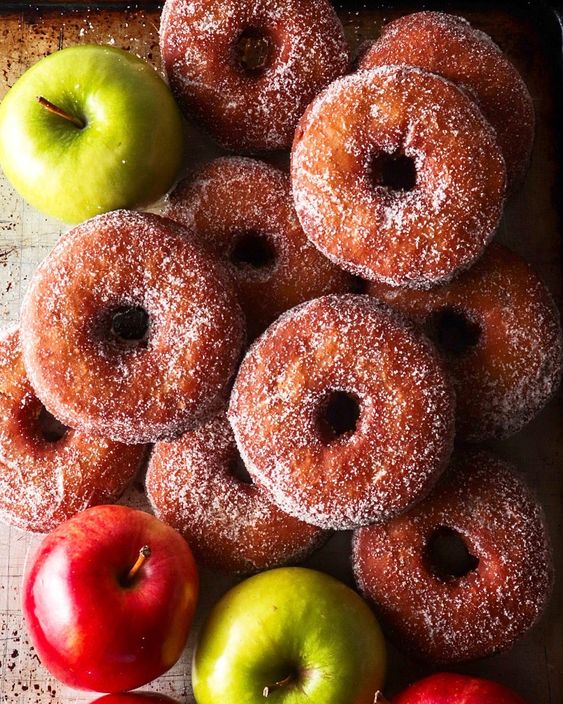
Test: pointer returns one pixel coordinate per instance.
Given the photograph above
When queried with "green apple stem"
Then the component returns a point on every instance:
(277, 685)
(380, 699)
(48, 105)
(144, 554)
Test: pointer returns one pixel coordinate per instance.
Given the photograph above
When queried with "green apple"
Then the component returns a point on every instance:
(289, 635)
(90, 129)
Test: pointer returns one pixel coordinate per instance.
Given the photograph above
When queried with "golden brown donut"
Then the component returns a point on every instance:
(246, 69)
(130, 329)
(195, 485)
(498, 329)
(49, 472)
(449, 46)
(243, 210)
(397, 176)
(343, 412)
(443, 604)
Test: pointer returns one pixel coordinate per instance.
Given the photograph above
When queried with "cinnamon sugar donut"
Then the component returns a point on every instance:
(195, 486)
(343, 412)
(499, 331)
(49, 472)
(397, 176)
(130, 330)
(446, 610)
(447, 45)
(243, 210)
(247, 69)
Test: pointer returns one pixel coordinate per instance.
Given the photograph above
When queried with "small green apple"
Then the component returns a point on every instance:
(90, 129)
(289, 635)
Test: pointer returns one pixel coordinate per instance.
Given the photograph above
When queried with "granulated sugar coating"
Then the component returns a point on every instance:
(343, 412)
(498, 328)
(243, 210)
(46, 474)
(130, 329)
(230, 525)
(247, 69)
(449, 46)
(446, 618)
(397, 176)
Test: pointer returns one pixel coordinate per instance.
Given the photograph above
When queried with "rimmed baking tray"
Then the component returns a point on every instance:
(530, 33)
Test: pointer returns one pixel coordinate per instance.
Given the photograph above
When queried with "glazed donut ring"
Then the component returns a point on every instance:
(498, 328)
(449, 46)
(301, 49)
(243, 210)
(138, 386)
(46, 474)
(443, 617)
(230, 525)
(343, 412)
(397, 176)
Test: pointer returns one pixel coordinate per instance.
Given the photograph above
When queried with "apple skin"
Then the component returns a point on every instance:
(89, 630)
(128, 154)
(289, 621)
(449, 688)
(135, 698)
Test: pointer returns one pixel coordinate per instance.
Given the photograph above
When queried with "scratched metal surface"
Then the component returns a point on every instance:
(531, 226)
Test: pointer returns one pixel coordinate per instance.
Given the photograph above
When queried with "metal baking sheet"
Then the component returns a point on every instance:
(530, 32)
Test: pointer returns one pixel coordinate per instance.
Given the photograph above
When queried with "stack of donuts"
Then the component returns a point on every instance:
(296, 352)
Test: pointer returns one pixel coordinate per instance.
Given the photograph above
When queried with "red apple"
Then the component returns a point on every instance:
(448, 688)
(136, 698)
(109, 599)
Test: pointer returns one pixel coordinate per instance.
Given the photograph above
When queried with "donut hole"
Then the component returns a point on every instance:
(252, 250)
(394, 172)
(338, 415)
(359, 285)
(447, 555)
(49, 428)
(453, 331)
(237, 469)
(129, 326)
(253, 51)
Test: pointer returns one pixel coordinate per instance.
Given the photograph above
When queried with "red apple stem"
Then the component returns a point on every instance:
(51, 107)
(277, 685)
(380, 699)
(144, 554)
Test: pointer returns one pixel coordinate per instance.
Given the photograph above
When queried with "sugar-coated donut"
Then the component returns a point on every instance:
(130, 329)
(498, 328)
(243, 210)
(445, 609)
(47, 472)
(193, 485)
(449, 46)
(246, 69)
(397, 176)
(343, 412)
